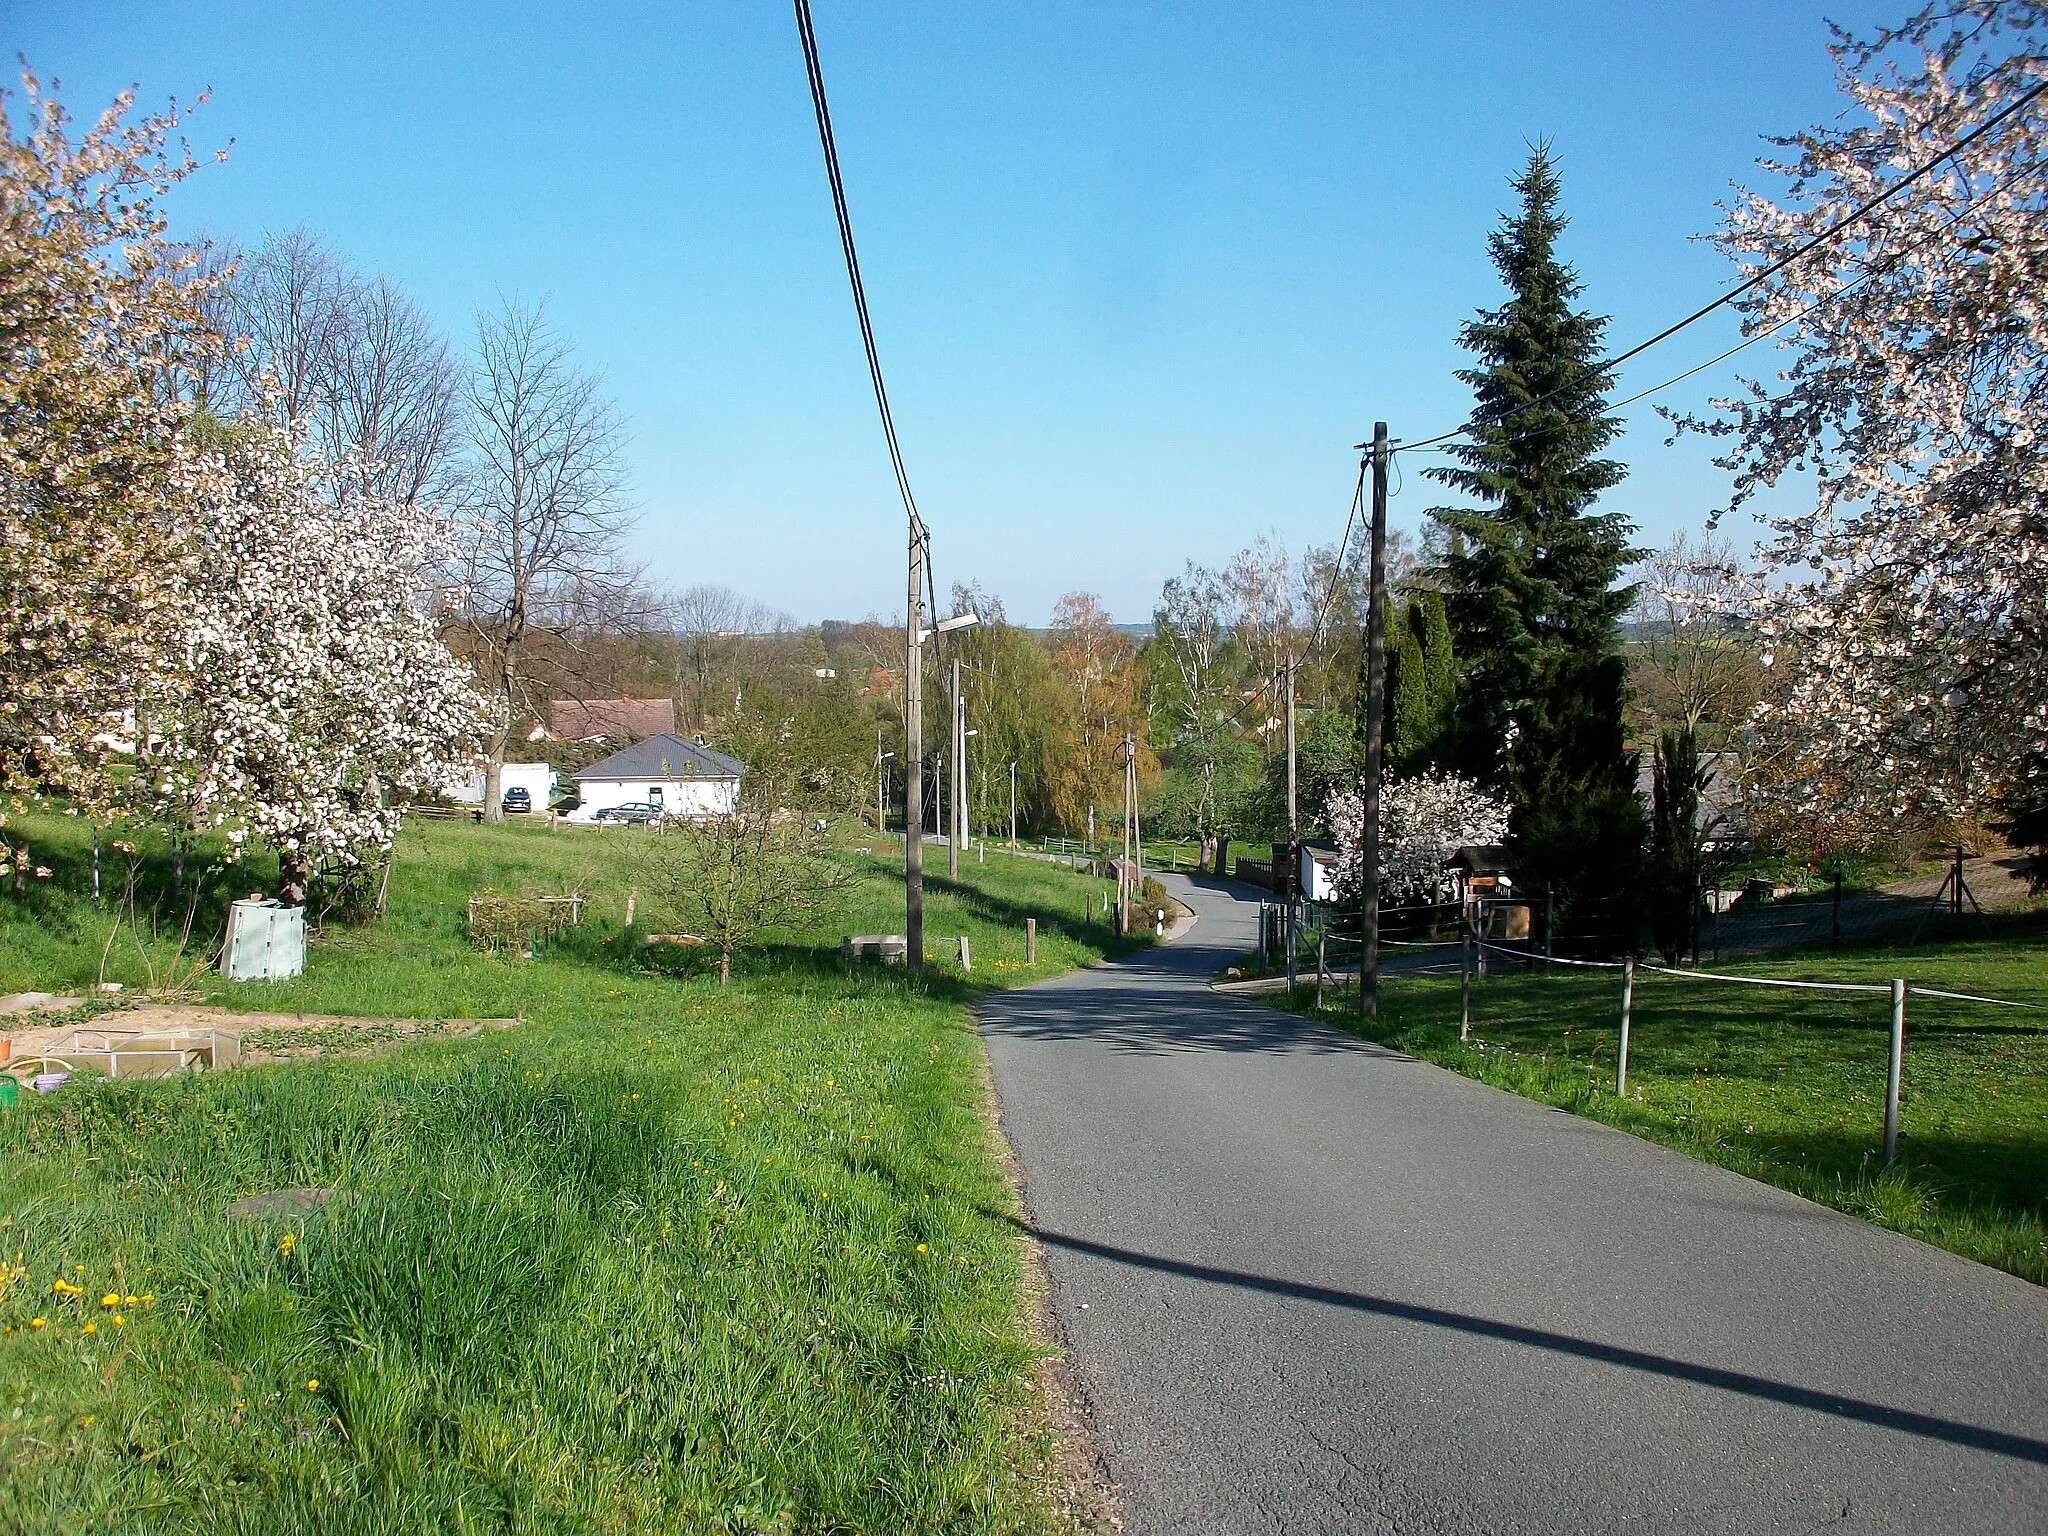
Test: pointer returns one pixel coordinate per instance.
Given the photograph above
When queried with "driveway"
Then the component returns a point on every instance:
(1310, 1284)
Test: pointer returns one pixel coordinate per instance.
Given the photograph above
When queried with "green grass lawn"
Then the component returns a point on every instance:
(668, 1257)
(1788, 1086)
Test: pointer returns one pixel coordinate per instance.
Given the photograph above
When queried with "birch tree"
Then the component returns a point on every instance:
(1192, 625)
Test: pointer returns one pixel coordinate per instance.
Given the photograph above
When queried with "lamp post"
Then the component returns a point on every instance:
(966, 806)
(882, 760)
(916, 720)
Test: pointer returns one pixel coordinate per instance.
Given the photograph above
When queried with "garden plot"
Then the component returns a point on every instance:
(156, 1039)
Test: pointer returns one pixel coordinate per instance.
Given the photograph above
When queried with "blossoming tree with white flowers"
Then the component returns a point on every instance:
(308, 696)
(94, 459)
(1424, 820)
(1904, 615)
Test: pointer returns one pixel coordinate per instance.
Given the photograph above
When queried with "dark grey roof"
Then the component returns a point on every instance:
(664, 756)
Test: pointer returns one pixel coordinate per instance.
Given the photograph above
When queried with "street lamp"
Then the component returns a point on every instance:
(966, 819)
(954, 744)
(882, 790)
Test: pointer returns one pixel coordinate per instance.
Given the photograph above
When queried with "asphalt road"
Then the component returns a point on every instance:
(1312, 1285)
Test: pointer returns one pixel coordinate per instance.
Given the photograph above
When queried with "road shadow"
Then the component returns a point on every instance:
(1156, 1005)
(1923, 1425)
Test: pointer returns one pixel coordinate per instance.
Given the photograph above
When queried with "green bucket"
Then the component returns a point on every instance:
(10, 1090)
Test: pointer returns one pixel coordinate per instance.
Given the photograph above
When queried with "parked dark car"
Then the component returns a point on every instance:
(519, 800)
(567, 804)
(634, 813)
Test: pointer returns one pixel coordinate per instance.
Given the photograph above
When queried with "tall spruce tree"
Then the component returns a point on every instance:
(1530, 578)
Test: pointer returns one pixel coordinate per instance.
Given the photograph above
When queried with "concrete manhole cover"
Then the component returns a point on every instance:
(279, 1202)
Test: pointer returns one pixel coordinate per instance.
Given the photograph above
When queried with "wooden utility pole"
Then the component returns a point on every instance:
(1013, 803)
(1123, 872)
(913, 757)
(1293, 817)
(1375, 731)
(1292, 895)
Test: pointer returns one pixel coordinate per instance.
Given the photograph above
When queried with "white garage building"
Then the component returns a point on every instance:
(684, 778)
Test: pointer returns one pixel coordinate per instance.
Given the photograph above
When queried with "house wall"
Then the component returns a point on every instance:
(1318, 876)
(679, 797)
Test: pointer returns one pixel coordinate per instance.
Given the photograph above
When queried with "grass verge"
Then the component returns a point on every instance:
(1788, 1086)
(669, 1257)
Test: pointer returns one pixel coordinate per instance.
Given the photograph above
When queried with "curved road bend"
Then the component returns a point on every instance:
(1312, 1285)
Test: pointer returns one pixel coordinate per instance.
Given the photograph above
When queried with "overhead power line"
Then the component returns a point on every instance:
(1762, 275)
(1879, 269)
(860, 297)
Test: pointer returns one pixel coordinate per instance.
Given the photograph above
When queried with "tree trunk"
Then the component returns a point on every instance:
(494, 779)
(494, 762)
(294, 874)
(724, 966)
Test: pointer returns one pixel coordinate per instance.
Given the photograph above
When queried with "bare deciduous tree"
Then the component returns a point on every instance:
(1694, 665)
(393, 394)
(759, 866)
(314, 340)
(283, 313)
(544, 487)
(1258, 581)
(711, 625)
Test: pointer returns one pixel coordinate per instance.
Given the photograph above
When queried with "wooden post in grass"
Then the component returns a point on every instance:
(1894, 1072)
(1320, 939)
(966, 955)
(1465, 982)
(1628, 994)
(1030, 941)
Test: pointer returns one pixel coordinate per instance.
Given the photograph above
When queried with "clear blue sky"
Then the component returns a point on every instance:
(1141, 274)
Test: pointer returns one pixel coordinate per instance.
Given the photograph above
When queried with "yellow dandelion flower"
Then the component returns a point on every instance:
(110, 1300)
(85, 1421)
(120, 1321)
(920, 1248)
(313, 1384)
(35, 1322)
(127, 1301)
(90, 1327)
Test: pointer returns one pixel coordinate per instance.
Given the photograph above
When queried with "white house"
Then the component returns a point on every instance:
(683, 778)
